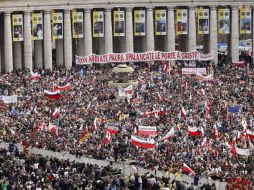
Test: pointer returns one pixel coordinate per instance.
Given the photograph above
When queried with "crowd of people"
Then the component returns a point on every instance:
(91, 101)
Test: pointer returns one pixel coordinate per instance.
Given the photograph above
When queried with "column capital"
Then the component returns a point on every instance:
(27, 12)
(67, 11)
(108, 9)
(170, 8)
(149, 8)
(87, 10)
(192, 7)
(47, 11)
(128, 9)
(7, 13)
(213, 7)
(234, 6)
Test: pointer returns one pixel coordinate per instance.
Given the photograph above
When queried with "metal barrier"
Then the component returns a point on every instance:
(126, 168)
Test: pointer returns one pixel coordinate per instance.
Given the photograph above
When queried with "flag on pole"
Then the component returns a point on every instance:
(170, 134)
(62, 88)
(56, 113)
(84, 136)
(215, 131)
(108, 137)
(52, 95)
(95, 124)
(34, 76)
(187, 169)
(159, 97)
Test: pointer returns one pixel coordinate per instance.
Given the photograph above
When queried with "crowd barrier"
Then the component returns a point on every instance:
(125, 167)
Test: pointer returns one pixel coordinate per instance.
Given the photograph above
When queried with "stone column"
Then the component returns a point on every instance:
(59, 52)
(80, 44)
(47, 41)
(192, 29)
(38, 58)
(253, 39)
(8, 57)
(235, 34)
(150, 30)
(108, 32)
(171, 30)
(129, 31)
(88, 42)
(17, 53)
(28, 59)
(213, 34)
(67, 39)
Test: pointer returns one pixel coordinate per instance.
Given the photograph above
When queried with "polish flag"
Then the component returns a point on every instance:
(34, 76)
(108, 137)
(244, 124)
(193, 131)
(215, 131)
(140, 80)
(52, 128)
(95, 124)
(250, 134)
(52, 95)
(238, 64)
(142, 143)
(207, 107)
(147, 131)
(111, 129)
(159, 97)
(135, 131)
(56, 113)
(170, 134)
(204, 142)
(62, 88)
(183, 112)
(187, 169)
(201, 92)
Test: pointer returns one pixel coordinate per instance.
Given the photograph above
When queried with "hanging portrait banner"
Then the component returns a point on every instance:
(160, 22)
(203, 21)
(139, 23)
(181, 21)
(77, 24)
(17, 28)
(57, 25)
(223, 21)
(245, 21)
(98, 24)
(37, 26)
(119, 23)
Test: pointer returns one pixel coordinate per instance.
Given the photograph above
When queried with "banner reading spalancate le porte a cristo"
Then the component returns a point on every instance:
(143, 57)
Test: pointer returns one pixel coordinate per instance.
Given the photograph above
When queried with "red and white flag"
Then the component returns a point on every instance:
(95, 124)
(170, 134)
(183, 112)
(159, 97)
(53, 129)
(215, 131)
(244, 124)
(141, 80)
(108, 137)
(34, 76)
(193, 131)
(187, 169)
(207, 107)
(111, 129)
(52, 95)
(56, 113)
(204, 142)
(135, 131)
(201, 92)
(126, 92)
(142, 143)
(147, 131)
(250, 134)
(62, 88)
(238, 64)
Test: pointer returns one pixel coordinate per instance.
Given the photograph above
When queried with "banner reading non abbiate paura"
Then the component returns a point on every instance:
(142, 57)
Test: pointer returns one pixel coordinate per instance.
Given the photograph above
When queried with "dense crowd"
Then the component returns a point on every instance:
(91, 97)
